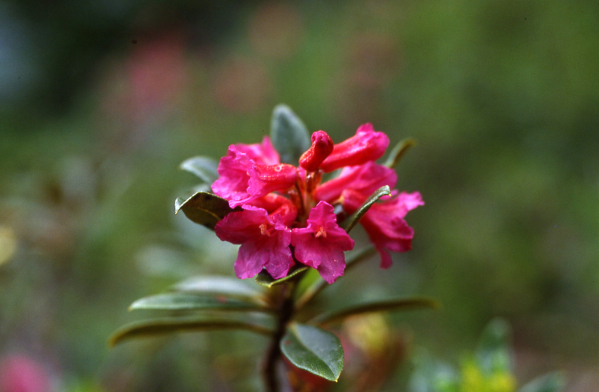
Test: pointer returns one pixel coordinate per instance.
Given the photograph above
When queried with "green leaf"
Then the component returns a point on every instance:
(552, 382)
(204, 208)
(264, 278)
(314, 350)
(311, 283)
(162, 326)
(380, 306)
(289, 134)
(211, 284)
(399, 151)
(432, 376)
(353, 220)
(203, 167)
(494, 347)
(185, 301)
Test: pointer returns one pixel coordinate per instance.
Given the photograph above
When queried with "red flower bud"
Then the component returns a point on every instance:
(366, 145)
(322, 146)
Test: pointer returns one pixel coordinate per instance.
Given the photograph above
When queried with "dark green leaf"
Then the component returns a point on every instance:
(399, 151)
(203, 167)
(162, 326)
(210, 284)
(553, 382)
(264, 278)
(353, 220)
(204, 208)
(289, 134)
(314, 350)
(380, 306)
(185, 301)
(311, 283)
(494, 347)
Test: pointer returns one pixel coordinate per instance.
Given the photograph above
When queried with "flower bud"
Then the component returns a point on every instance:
(322, 146)
(366, 145)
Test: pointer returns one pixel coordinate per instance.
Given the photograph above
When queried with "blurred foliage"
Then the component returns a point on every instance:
(488, 370)
(100, 101)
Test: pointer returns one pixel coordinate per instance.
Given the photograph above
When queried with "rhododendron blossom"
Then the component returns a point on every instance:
(288, 216)
(322, 243)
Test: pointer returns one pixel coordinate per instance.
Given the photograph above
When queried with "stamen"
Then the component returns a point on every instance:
(321, 233)
(264, 230)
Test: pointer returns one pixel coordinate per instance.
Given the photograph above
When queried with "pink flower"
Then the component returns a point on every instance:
(366, 145)
(364, 179)
(263, 153)
(264, 240)
(322, 146)
(384, 222)
(242, 179)
(322, 243)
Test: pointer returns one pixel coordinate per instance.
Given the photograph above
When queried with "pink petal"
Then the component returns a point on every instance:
(271, 252)
(322, 146)
(234, 180)
(250, 260)
(366, 145)
(278, 207)
(265, 179)
(365, 179)
(263, 153)
(264, 241)
(321, 245)
(242, 180)
(384, 222)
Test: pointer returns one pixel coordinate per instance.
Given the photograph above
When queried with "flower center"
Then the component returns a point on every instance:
(265, 230)
(321, 233)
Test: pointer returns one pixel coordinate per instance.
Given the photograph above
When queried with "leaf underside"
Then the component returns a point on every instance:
(214, 285)
(203, 167)
(289, 134)
(188, 301)
(162, 326)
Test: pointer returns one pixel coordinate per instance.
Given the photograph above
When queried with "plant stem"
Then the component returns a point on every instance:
(285, 312)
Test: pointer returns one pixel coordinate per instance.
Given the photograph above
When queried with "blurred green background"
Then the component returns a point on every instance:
(100, 101)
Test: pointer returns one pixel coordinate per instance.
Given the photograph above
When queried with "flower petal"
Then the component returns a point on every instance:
(243, 180)
(364, 179)
(366, 145)
(384, 222)
(321, 245)
(263, 153)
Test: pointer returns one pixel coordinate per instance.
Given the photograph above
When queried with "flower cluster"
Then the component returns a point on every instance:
(288, 215)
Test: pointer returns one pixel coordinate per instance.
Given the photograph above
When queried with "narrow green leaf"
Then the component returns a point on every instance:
(264, 278)
(289, 134)
(186, 301)
(203, 167)
(552, 382)
(312, 284)
(314, 350)
(211, 284)
(399, 151)
(380, 306)
(204, 208)
(353, 220)
(162, 326)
